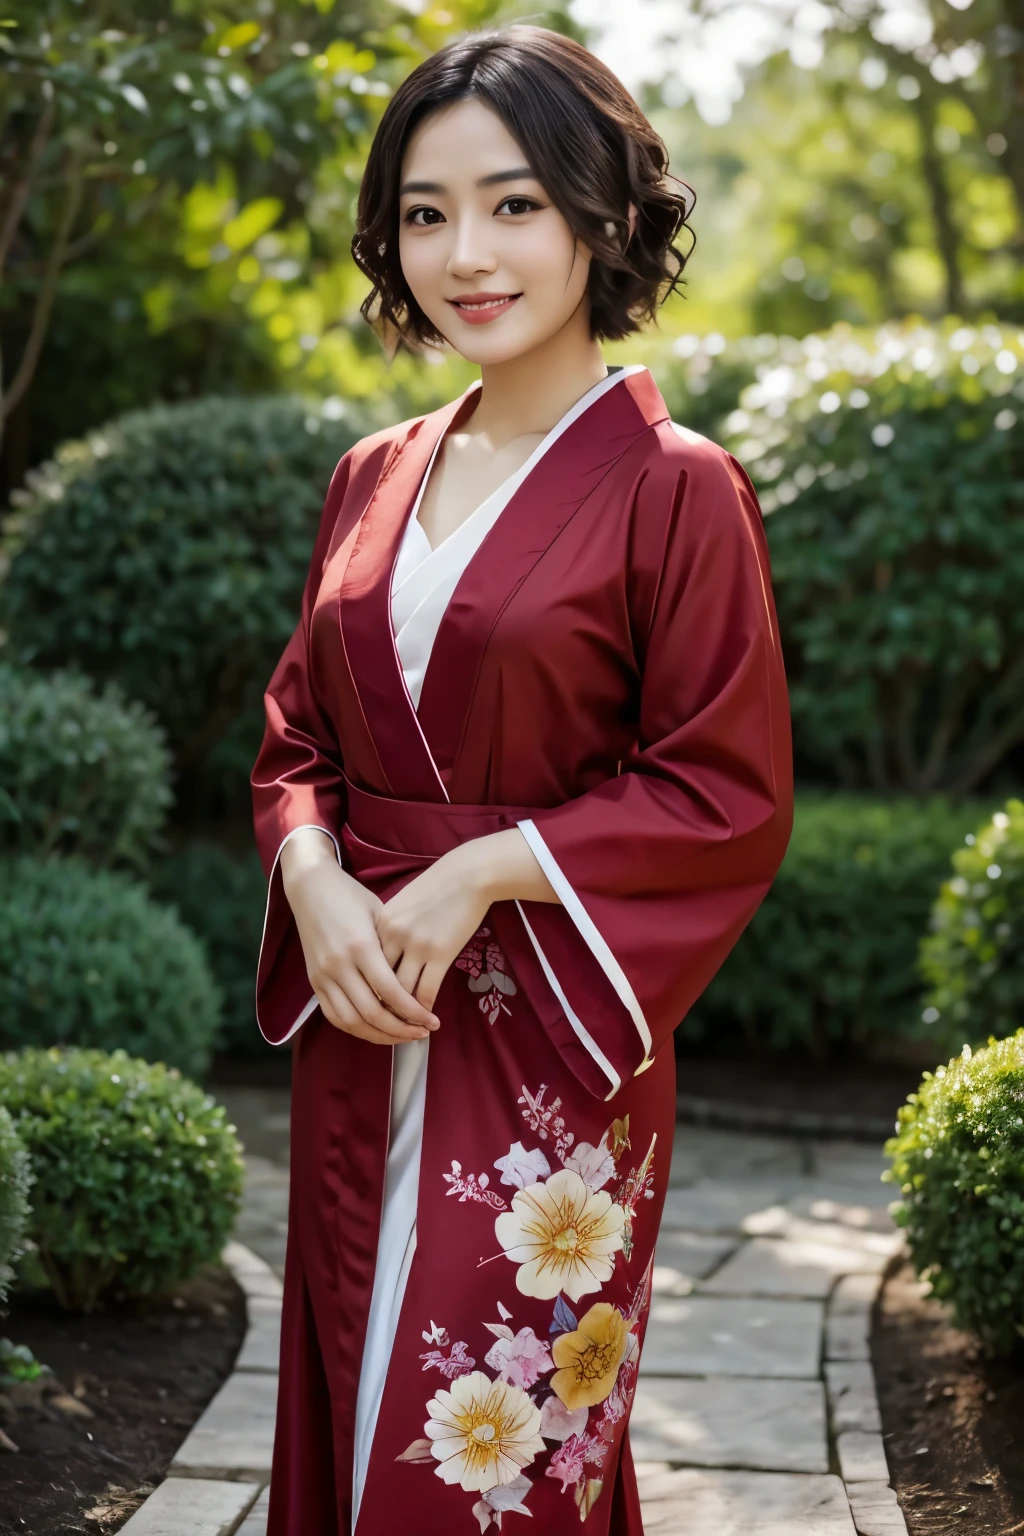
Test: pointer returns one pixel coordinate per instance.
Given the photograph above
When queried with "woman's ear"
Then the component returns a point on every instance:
(632, 220)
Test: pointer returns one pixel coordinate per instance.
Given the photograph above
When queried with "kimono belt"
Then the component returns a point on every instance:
(388, 841)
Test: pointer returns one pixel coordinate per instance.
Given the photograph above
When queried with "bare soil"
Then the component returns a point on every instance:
(953, 1421)
(130, 1384)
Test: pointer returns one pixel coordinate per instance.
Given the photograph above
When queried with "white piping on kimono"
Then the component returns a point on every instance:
(579, 1029)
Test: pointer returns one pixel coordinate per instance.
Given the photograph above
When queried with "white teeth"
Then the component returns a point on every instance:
(490, 304)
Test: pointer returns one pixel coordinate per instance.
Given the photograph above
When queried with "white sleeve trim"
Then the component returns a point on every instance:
(588, 931)
(586, 1040)
(309, 826)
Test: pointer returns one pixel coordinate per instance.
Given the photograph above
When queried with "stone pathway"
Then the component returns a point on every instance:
(756, 1412)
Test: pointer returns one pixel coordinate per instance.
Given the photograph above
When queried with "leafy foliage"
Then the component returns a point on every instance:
(829, 959)
(167, 553)
(893, 485)
(958, 1163)
(15, 1181)
(973, 959)
(87, 957)
(222, 899)
(138, 1175)
(80, 771)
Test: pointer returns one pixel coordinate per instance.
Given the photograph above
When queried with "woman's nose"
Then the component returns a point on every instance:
(471, 251)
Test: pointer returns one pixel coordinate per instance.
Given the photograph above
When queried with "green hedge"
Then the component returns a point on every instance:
(830, 957)
(892, 482)
(167, 552)
(15, 1181)
(222, 899)
(81, 771)
(973, 960)
(86, 957)
(138, 1175)
(958, 1162)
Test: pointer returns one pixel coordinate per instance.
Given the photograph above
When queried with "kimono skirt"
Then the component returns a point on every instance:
(472, 1226)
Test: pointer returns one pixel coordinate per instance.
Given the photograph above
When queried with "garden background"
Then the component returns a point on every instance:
(183, 363)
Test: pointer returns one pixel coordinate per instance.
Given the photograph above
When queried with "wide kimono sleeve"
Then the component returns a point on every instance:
(297, 782)
(660, 868)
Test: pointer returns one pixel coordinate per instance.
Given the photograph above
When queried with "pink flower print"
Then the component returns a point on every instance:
(557, 1422)
(595, 1165)
(485, 963)
(567, 1462)
(458, 1363)
(520, 1168)
(519, 1359)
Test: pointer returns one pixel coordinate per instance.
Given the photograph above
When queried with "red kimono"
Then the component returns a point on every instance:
(607, 675)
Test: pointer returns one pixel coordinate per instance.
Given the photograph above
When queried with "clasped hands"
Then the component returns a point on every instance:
(376, 967)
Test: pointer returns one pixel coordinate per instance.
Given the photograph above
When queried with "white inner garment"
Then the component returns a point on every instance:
(422, 585)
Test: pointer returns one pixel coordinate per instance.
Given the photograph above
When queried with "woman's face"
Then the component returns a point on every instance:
(487, 256)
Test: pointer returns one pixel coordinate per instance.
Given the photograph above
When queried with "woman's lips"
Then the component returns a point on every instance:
(481, 308)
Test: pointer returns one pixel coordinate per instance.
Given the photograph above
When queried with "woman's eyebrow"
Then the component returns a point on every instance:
(520, 173)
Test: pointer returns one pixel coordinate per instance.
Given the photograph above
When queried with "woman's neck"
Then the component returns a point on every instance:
(528, 394)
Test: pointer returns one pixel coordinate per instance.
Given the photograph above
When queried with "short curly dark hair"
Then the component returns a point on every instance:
(587, 142)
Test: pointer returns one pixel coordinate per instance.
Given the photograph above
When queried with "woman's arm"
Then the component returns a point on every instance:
(430, 921)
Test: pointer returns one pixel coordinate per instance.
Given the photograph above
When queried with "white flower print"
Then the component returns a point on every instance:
(482, 1432)
(595, 1165)
(520, 1168)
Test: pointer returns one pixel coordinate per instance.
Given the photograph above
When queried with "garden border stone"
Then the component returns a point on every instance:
(216, 1484)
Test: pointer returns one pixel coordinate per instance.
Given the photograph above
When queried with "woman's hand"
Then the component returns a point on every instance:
(355, 985)
(431, 920)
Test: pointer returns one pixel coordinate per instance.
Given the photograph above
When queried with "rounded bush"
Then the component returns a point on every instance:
(138, 1175)
(15, 1180)
(222, 899)
(958, 1163)
(167, 552)
(892, 481)
(830, 957)
(81, 771)
(86, 957)
(973, 959)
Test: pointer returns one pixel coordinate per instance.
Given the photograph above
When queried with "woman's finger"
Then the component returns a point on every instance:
(374, 1013)
(408, 972)
(392, 993)
(430, 980)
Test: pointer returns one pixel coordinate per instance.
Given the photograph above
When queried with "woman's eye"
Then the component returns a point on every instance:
(424, 216)
(518, 205)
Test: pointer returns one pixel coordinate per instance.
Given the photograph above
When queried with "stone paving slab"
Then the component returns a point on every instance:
(253, 1274)
(683, 1258)
(876, 1510)
(261, 1349)
(861, 1457)
(863, 1208)
(695, 1502)
(182, 1506)
(852, 1396)
(703, 1152)
(255, 1522)
(732, 1336)
(729, 1422)
(780, 1221)
(768, 1266)
(235, 1435)
(713, 1205)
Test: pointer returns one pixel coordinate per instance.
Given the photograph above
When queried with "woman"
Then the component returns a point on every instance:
(526, 777)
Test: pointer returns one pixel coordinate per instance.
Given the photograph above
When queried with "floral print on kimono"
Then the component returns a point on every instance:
(523, 1405)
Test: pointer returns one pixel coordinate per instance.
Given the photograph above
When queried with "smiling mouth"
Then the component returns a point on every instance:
(491, 305)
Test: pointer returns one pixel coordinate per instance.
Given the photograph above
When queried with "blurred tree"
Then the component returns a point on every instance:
(177, 191)
(879, 176)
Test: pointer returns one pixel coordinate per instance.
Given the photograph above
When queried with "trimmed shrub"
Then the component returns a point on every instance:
(893, 486)
(167, 552)
(15, 1179)
(222, 899)
(958, 1162)
(830, 957)
(138, 1175)
(974, 957)
(80, 771)
(87, 957)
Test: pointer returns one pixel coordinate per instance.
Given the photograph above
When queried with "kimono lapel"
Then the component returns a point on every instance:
(538, 511)
(365, 612)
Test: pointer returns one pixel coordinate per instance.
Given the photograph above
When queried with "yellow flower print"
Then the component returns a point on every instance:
(563, 1235)
(482, 1432)
(588, 1360)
